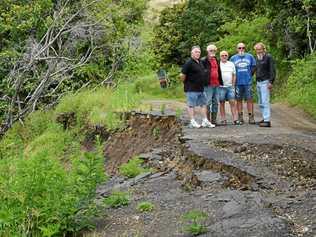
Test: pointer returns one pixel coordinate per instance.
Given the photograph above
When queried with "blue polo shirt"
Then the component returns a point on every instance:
(244, 65)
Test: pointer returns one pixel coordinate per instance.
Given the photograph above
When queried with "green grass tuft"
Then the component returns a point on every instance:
(195, 222)
(117, 199)
(132, 168)
(145, 207)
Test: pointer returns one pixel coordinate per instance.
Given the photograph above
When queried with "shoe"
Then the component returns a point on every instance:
(251, 119)
(265, 124)
(224, 122)
(194, 124)
(240, 118)
(261, 121)
(237, 122)
(207, 124)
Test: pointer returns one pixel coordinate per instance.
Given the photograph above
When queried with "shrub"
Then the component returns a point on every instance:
(145, 207)
(301, 88)
(132, 168)
(117, 199)
(42, 196)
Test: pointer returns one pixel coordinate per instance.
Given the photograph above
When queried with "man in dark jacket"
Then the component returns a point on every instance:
(265, 75)
(192, 75)
(212, 82)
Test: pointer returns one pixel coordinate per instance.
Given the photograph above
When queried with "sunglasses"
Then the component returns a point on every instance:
(224, 55)
(241, 47)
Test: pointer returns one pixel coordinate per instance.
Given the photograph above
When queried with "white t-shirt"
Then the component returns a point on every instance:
(228, 70)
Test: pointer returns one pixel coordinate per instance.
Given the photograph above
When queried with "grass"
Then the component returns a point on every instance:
(132, 168)
(195, 222)
(145, 207)
(117, 199)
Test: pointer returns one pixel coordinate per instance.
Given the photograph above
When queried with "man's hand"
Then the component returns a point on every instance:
(270, 86)
(182, 77)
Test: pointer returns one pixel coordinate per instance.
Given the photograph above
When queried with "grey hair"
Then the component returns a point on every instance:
(195, 47)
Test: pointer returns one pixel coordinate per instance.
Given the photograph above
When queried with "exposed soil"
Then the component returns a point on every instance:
(143, 133)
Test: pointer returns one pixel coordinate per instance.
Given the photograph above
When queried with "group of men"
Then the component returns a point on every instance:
(209, 82)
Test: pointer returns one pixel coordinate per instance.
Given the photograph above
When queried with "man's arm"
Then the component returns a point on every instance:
(253, 65)
(234, 80)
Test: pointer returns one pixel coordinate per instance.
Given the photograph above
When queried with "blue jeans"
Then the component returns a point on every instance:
(211, 94)
(195, 99)
(264, 99)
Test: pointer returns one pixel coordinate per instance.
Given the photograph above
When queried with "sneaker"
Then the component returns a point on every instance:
(194, 124)
(266, 124)
(207, 124)
(251, 119)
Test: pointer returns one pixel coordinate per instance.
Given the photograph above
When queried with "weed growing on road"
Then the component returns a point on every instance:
(195, 222)
(145, 207)
(117, 199)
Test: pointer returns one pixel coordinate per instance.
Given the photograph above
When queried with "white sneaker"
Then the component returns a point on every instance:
(194, 124)
(207, 124)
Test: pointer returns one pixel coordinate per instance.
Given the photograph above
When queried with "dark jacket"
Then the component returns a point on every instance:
(207, 68)
(265, 69)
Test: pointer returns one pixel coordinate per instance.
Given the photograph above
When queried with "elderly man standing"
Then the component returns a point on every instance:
(265, 75)
(193, 77)
(227, 91)
(245, 65)
(214, 80)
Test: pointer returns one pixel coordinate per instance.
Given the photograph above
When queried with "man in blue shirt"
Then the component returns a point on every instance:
(245, 65)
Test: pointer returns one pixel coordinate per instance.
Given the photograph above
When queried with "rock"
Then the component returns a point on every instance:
(232, 208)
(140, 177)
(240, 149)
(229, 195)
(156, 175)
(149, 156)
(255, 226)
(208, 176)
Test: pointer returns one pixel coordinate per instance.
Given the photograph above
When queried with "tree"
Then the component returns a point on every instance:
(80, 43)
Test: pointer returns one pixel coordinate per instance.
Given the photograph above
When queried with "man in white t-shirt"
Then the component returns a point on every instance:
(227, 91)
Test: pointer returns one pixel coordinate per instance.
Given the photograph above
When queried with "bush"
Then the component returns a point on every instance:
(301, 87)
(243, 30)
(42, 196)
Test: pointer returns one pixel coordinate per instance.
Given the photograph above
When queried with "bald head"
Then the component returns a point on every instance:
(241, 48)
